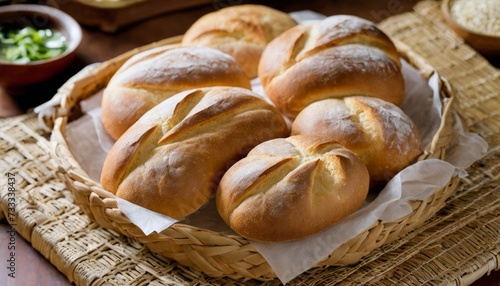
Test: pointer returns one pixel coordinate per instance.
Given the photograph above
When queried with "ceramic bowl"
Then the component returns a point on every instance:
(41, 17)
(486, 44)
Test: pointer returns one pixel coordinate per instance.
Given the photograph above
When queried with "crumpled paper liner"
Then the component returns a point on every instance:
(90, 143)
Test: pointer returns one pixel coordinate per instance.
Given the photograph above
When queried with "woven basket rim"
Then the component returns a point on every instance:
(103, 208)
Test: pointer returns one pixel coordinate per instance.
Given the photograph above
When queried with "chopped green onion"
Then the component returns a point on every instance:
(29, 44)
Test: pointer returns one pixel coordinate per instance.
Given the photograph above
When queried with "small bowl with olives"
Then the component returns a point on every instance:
(36, 43)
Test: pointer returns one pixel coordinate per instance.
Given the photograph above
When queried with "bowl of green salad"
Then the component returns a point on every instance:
(36, 43)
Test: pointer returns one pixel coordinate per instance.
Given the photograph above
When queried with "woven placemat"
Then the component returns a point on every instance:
(455, 247)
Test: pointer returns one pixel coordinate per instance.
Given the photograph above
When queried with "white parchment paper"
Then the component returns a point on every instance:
(90, 144)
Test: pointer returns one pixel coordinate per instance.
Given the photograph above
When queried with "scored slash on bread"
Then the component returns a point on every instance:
(154, 75)
(171, 159)
(379, 132)
(242, 31)
(339, 56)
(289, 188)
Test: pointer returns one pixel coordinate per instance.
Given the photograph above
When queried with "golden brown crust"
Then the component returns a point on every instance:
(171, 159)
(287, 189)
(242, 31)
(337, 57)
(152, 76)
(379, 132)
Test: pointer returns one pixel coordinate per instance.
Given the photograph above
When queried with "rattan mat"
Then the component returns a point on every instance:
(455, 247)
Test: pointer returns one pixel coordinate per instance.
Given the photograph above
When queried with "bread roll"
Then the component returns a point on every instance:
(152, 76)
(241, 31)
(171, 159)
(379, 132)
(287, 189)
(336, 57)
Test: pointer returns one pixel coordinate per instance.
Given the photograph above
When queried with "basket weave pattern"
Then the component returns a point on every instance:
(457, 245)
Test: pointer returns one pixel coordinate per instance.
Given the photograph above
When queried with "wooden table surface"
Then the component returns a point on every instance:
(98, 46)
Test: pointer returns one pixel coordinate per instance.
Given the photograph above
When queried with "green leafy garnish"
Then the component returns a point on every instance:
(23, 45)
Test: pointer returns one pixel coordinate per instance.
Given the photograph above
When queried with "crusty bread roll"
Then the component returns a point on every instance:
(152, 76)
(379, 132)
(241, 31)
(289, 188)
(336, 57)
(171, 159)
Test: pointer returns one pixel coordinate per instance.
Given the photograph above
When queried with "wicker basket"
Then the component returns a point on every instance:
(217, 254)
